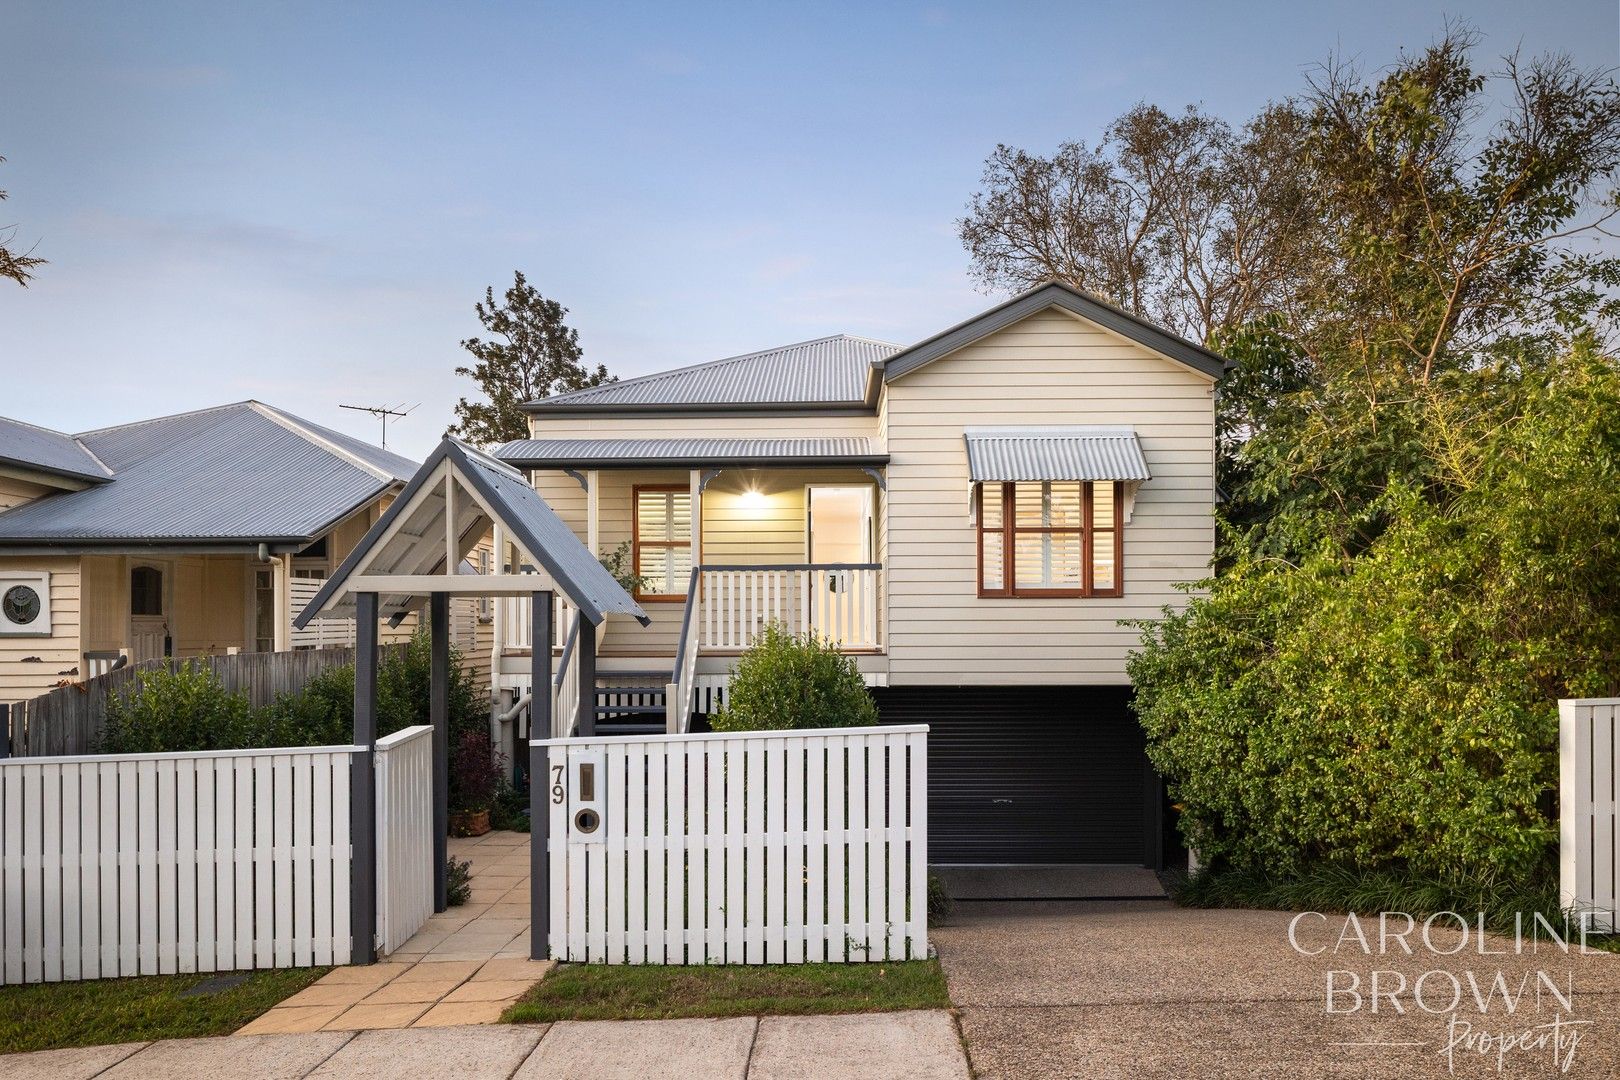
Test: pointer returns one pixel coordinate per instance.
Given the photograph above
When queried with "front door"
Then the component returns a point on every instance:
(150, 636)
(843, 601)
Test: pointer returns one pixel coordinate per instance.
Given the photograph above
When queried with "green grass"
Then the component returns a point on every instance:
(47, 1016)
(653, 992)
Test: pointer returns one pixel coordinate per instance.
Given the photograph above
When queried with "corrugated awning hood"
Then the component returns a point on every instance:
(1054, 453)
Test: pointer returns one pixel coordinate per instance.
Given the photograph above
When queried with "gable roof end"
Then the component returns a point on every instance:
(1056, 294)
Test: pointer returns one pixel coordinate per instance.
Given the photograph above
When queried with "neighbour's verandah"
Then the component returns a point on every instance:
(411, 558)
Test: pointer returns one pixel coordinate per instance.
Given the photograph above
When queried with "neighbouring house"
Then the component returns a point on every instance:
(971, 517)
(200, 533)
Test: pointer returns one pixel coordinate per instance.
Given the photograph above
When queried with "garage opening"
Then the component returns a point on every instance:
(1034, 774)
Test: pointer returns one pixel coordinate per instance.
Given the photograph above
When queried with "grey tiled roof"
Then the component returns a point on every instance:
(33, 447)
(241, 473)
(829, 370)
(587, 453)
(1055, 453)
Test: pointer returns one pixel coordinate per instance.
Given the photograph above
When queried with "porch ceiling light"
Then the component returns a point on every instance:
(751, 499)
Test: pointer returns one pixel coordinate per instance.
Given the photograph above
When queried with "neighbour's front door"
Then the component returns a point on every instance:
(150, 636)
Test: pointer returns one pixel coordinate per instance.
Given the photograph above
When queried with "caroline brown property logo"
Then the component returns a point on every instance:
(1503, 1000)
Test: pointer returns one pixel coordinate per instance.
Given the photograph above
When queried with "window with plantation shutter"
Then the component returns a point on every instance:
(663, 542)
(1049, 538)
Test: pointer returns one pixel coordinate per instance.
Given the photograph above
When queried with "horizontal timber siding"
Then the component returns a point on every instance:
(1049, 369)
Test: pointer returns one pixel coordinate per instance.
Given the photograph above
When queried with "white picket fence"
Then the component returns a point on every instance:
(404, 763)
(757, 848)
(1589, 765)
(147, 864)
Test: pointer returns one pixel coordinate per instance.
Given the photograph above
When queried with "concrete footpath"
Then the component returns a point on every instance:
(921, 1045)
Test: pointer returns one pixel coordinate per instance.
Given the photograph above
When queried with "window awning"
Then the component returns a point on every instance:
(1054, 453)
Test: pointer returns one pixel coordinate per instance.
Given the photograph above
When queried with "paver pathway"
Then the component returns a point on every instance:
(465, 966)
(870, 1046)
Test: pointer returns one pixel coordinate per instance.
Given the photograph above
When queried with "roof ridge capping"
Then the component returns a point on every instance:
(1054, 293)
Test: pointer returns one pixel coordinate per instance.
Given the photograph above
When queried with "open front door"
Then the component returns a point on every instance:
(839, 528)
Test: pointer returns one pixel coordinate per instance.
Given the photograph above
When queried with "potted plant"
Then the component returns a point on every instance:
(475, 772)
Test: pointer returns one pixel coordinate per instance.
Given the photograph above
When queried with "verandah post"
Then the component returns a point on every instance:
(439, 714)
(539, 777)
(363, 784)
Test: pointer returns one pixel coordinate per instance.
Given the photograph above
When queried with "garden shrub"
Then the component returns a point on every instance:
(186, 708)
(190, 709)
(476, 771)
(1397, 711)
(786, 681)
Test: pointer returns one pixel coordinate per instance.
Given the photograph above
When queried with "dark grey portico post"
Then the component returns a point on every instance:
(439, 713)
(363, 785)
(539, 778)
(585, 653)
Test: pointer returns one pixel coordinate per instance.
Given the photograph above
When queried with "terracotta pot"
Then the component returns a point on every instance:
(469, 823)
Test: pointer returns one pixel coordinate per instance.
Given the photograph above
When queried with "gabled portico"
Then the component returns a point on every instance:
(411, 558)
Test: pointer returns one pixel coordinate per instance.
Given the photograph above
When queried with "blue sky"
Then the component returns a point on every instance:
(301, 203)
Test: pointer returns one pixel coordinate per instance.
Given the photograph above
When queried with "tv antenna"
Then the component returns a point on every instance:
(384, 412)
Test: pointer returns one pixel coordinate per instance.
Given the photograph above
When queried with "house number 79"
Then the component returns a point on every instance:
(557, 792)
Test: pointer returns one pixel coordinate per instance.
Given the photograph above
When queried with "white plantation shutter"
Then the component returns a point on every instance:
(664, 540)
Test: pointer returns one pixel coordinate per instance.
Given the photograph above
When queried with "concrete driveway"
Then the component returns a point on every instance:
(1130, 989)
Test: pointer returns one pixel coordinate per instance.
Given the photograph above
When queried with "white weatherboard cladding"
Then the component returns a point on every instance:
(1049, 369)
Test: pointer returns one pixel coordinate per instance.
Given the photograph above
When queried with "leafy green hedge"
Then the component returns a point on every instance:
(785, 681)
(188, 708)
(1398, 709)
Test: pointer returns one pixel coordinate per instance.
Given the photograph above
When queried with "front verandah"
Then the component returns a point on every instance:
(798, 545)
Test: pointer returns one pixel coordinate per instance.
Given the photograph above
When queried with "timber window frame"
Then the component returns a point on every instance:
(643, 546)
(1102, 543)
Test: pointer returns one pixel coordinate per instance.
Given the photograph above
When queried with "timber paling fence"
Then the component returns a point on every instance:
(69, 719)
(780, 847)
(156, 864)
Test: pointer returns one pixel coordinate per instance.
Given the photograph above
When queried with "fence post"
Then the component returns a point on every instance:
(5, 731)
(363, 785)
(539, 778)
(439, 617)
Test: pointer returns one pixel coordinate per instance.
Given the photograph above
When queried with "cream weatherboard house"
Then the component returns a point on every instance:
(200, 533)
(971, 517)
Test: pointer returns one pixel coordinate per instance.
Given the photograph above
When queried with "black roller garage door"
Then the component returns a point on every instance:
(1032, 774)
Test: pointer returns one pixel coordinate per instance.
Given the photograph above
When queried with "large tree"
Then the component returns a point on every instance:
(533, 354)
(1181, 219)
(14, 264)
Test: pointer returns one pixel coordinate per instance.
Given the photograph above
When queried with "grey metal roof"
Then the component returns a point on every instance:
(1055, 453)
(33, 447)
(1055, 294)
(501, 496)
(625, 453)
(827, 371)
(242, 473)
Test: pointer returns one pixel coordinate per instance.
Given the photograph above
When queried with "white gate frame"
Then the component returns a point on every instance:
(1588, 768)
(404, 764)
(765, 847)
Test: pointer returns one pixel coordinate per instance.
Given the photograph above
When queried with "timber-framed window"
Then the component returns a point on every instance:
(663, 542)
(1050, 538)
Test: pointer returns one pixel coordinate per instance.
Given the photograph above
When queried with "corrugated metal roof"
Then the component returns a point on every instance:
(826, 371)
(242, 473)
(1055, 453)
(417, 548)
(34, 447)
(568, 453)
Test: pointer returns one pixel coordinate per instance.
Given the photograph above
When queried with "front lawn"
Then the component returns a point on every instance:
(656, 992)
(48, 1016)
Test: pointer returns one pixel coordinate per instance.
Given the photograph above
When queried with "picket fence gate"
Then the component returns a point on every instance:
(156, 864)
(1589, 766)
(749, 848)
(404, 765)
